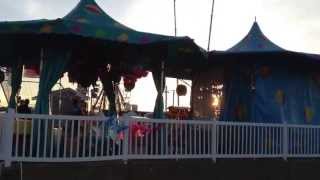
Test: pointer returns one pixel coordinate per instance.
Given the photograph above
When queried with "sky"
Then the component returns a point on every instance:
(292, 24)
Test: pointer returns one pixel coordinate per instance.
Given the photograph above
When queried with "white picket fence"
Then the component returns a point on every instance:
(43, 138)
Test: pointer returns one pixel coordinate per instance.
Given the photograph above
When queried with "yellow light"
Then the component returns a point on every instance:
(215, 102)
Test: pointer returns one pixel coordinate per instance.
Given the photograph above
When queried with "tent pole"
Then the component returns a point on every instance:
(162, 77)
(166, 98)
(175, 34)
(210, 30)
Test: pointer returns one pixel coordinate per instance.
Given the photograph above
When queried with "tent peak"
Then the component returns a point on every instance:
(255, 41)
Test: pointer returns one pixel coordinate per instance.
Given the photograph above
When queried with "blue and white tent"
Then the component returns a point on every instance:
(266, 83)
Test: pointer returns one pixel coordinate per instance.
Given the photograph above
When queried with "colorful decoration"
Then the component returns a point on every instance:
(101, 33)
(240, 112)
(309, 114)
(178, 113)
(31, 71)
(141, 130)
(181, 90)
(144, 39)
(279, 97)
(123, 37)
(76, 29)
(114, 128)
(93, 9)
(46, 29)
(130, 80)
(2, 76)
(265, 72)
(82, 20)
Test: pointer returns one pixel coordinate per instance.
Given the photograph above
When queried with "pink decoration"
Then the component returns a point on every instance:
(76, 29)
(94, 9)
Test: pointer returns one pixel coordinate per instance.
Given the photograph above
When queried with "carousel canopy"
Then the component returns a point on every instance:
(89, 23)
(87, 19)
(255, 46)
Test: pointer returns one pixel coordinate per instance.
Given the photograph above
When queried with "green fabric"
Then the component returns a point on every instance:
(88, 20)
(159, 105)
(53, 67)
(16, 80)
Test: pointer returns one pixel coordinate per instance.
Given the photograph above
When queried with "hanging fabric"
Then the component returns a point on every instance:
(52, 69)
(159, 81)
(16, 80)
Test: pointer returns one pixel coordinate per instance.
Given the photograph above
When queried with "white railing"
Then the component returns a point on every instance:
(42, 138)
(2, 117)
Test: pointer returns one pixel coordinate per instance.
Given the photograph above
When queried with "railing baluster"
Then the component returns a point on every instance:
(136, 141)
(171, 139)
(96, 140)
(51, 138)
(65, 138)
(38, 138)
(167, 139)
(180, 144)
(225, 139)
(17, 137)
(90, 138)
(238, 149)
(84, 141)
(154, 127)
(253, 140)
(78, 139)
(59, 139)
(24, 137)
(190, 145)
(71, 139)
(45, 138)
(199, 143)
(186, 139)
(162, 141)
(31, 138)
(147, 140)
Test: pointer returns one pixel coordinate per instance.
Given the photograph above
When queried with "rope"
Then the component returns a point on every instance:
(210, 30)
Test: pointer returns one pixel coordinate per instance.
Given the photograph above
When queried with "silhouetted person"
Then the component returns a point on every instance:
(23, 107)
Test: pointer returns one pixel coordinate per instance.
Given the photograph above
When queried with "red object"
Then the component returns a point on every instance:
(31, 71)
(181, 90)
(94, 9)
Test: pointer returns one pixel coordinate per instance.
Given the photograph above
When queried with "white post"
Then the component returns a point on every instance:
(214, 141)
(7, 138)
(126, 141)
(285, 141)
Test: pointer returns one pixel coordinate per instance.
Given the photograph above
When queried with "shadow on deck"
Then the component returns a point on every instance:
(169, 170)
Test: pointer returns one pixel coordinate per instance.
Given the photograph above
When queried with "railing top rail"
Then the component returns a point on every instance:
(303, 126)
(229, 123)
(60, 117)
(167, 121)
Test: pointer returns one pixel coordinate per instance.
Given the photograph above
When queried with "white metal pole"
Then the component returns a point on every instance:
(210, 30)
(175, 34)
(7, 137)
